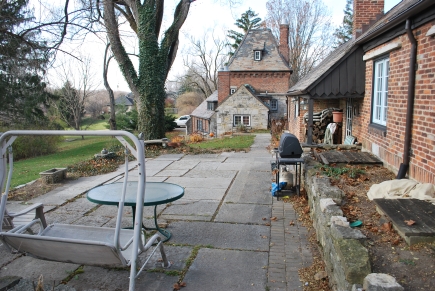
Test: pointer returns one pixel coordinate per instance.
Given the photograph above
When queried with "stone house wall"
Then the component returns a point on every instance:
(244, 103)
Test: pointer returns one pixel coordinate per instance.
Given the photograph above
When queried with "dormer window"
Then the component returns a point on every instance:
(257, 55)
(211, 105)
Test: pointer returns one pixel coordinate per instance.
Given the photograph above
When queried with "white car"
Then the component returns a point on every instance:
(181, 121)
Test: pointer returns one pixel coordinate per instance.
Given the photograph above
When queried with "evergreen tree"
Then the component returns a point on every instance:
(22, 65)
(344, 32)
(247, 21)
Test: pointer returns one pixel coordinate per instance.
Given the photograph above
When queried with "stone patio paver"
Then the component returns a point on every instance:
(218, 226)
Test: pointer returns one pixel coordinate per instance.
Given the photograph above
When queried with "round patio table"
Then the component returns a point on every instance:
(156, 193)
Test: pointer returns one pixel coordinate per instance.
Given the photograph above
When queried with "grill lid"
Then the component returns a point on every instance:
(289, 146)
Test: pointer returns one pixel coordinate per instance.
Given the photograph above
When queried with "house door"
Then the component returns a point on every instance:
(349, 117)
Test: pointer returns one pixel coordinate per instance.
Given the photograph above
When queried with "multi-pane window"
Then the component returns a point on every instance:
(199, 125)
(257, 55)
(242, 120)
(273, 104)
(210, 106)
(380, 91)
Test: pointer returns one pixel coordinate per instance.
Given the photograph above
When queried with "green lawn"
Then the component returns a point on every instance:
(72, 151)
(95, 124)
(233, 142)
(75, 149)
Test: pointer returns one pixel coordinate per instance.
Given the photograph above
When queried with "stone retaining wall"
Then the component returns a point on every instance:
(346, 258)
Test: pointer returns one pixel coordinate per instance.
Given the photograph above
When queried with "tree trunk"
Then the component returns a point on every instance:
(112, 119)
(148, 86)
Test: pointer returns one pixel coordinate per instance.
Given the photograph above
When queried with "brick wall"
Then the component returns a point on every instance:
(262, 81)
(223, 85)
(296, 124)
(364, 11)
(389, 145)
(205, 124)
(283, 41)
(277, 82)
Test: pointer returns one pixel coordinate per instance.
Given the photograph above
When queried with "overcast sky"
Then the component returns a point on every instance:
(203, 15)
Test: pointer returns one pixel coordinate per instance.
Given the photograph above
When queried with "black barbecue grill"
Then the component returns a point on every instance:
(289, 146)
(289, 152)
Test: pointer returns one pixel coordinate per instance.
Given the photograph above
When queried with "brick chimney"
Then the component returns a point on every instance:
(223, 84)
(283, 41)
(365, 14)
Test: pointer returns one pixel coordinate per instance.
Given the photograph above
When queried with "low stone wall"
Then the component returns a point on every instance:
(347, 260)
(54, 175)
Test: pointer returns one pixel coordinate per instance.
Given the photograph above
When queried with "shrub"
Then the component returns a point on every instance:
(177, 139)
(126, 120)
(196, 137)
(170, 122)
(30, 146)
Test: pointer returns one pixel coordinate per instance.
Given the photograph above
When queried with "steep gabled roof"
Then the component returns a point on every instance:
(258, 39)
(201, 111)
(395, 16)
(248, 88)
(301, 87)
(126, 100)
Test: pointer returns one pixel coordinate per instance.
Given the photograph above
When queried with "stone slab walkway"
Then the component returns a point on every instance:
(223, 238)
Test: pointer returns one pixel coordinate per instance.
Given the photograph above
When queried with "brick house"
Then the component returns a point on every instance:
(251, 89)
(395, 59)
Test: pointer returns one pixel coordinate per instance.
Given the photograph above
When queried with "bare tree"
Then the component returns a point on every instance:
(310, 32)
(78, 80)
(203, 59)
(96, 103)
(187, 102)
(157, 52)
(107, 58)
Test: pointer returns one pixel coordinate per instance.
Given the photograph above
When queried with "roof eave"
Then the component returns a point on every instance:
(296, 93)
(414, 9)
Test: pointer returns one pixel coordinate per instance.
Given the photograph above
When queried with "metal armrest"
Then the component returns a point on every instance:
(26, 210)
(39, 212)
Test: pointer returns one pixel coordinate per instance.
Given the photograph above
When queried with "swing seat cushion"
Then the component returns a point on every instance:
(74, 244)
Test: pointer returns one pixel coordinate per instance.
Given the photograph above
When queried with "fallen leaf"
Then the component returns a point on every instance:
(267, 224)
(396, 241)
(320, 275)
(183, 284)
(274, 218)
(264, 218)
(292, 222)
(176, 286)
(386, 226)
(410, 222)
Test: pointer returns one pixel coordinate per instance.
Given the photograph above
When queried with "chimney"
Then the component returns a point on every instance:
(365, 14)
(283, 41)
(223, 84)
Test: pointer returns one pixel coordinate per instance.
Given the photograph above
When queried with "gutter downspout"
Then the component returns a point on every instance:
(404, 166)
